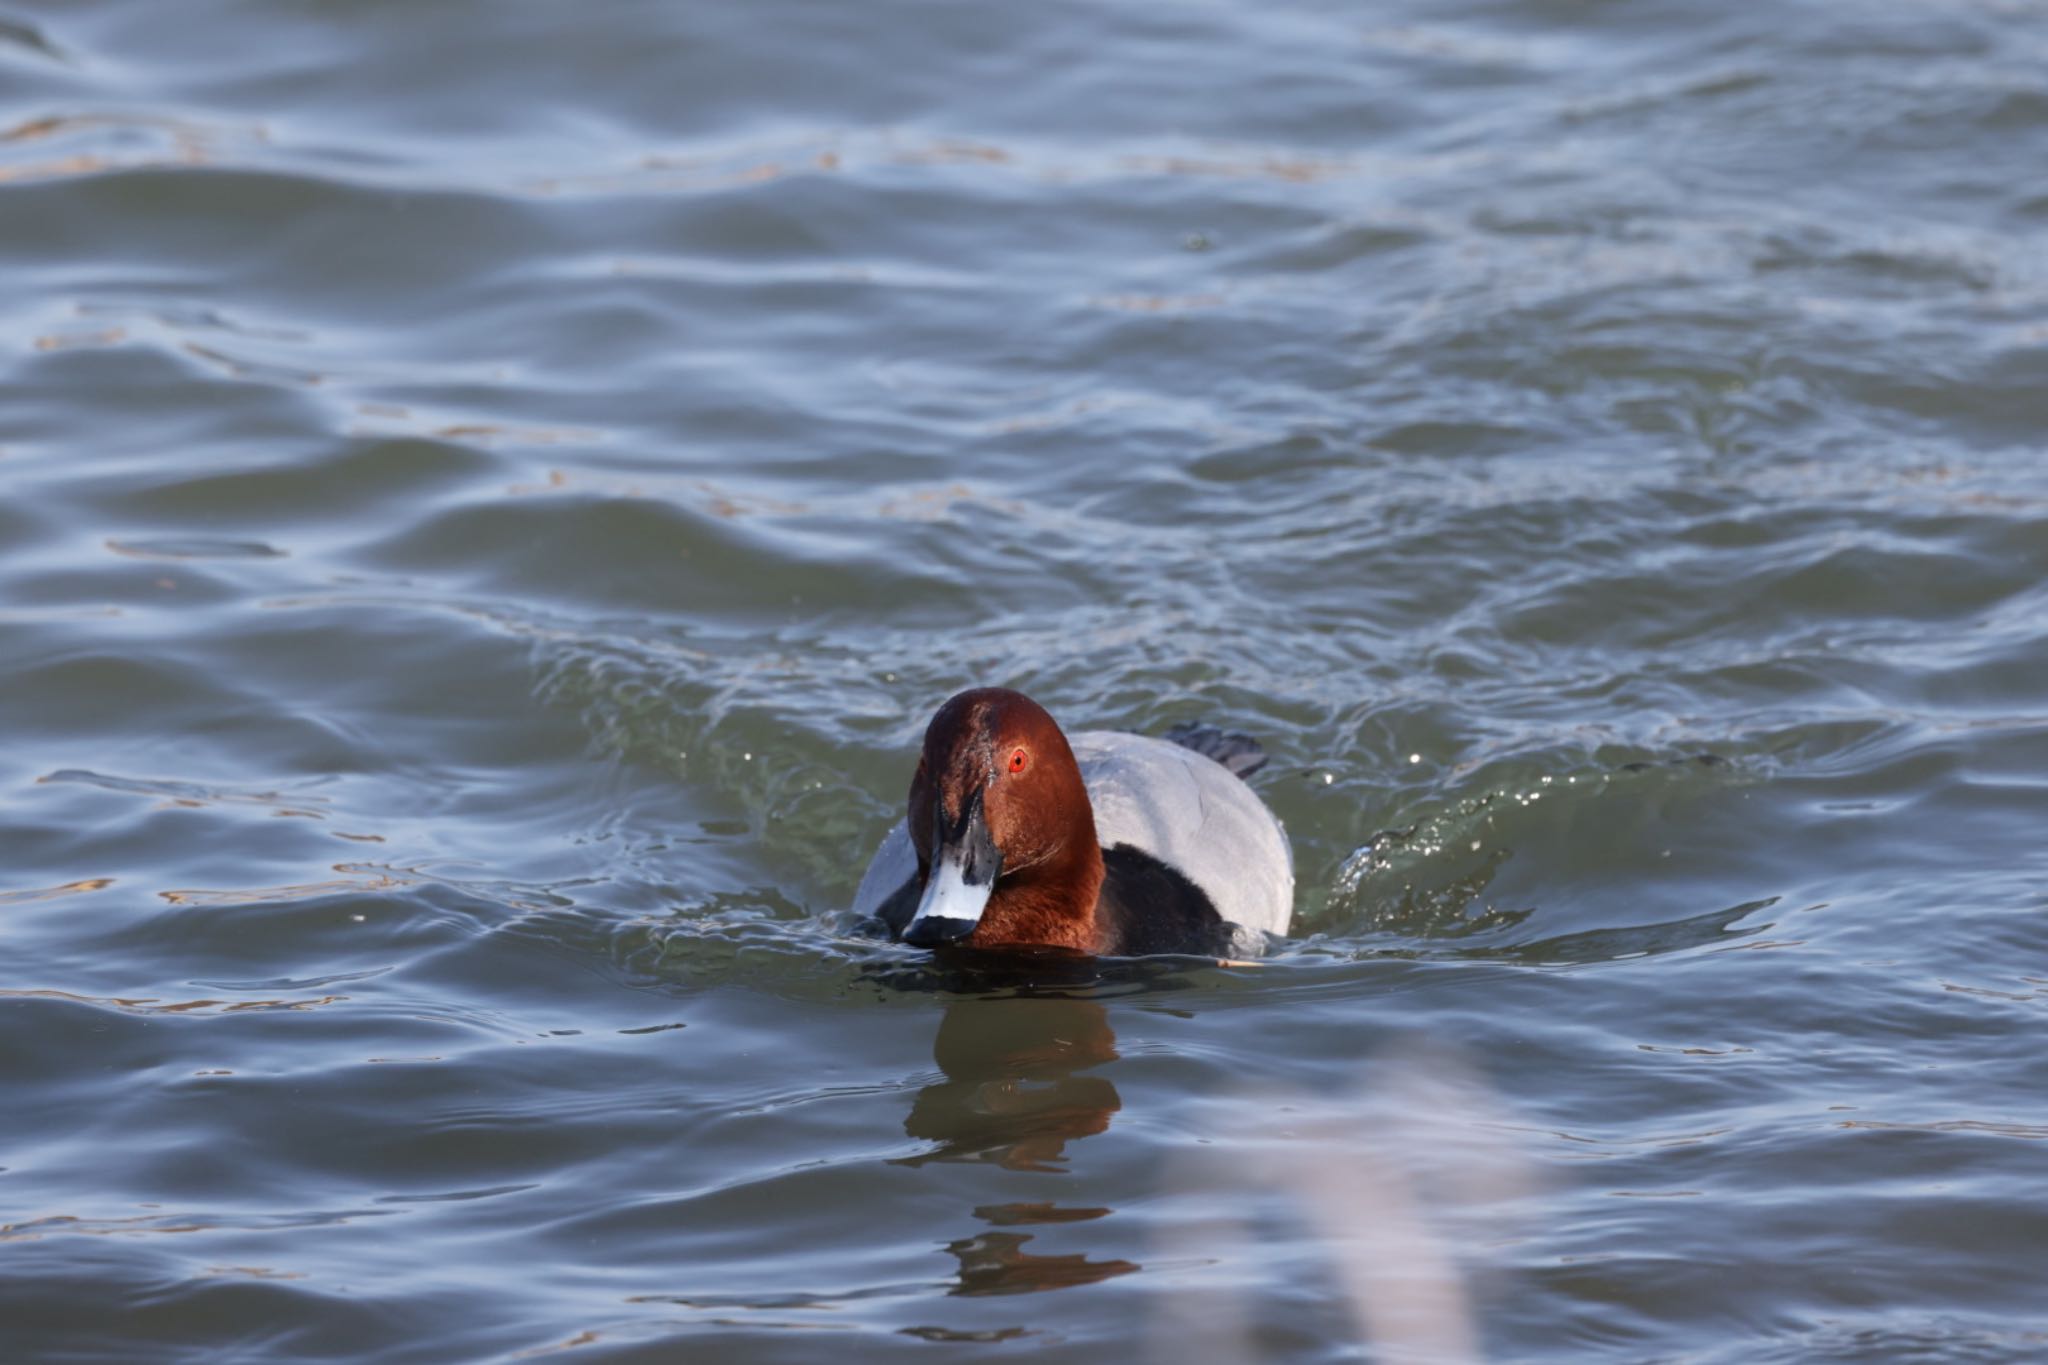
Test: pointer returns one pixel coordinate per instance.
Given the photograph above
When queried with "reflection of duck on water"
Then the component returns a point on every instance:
(1011, 1097)
(996, 1263)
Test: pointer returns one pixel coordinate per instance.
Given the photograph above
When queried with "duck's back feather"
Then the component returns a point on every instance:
(1193, 815)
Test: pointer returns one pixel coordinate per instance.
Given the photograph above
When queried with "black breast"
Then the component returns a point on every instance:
(1147, 907)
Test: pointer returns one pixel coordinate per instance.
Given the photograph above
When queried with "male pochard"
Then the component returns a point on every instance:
(1107, 843)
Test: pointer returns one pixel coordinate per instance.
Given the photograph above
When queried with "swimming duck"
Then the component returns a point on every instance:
(1101, 842)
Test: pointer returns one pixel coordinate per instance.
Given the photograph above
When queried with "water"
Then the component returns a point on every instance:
(492, 493)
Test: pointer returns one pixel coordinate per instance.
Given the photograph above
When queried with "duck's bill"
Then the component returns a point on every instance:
(963, 876)
(951, 906)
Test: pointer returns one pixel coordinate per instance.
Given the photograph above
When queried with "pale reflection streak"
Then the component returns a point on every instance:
(1400, 1180)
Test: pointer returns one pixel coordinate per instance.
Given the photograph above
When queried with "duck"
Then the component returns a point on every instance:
(1105, 843)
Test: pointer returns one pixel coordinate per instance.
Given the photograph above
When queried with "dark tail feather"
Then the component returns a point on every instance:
(1241, 754)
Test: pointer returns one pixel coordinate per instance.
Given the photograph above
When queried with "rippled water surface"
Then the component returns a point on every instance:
(490, 493)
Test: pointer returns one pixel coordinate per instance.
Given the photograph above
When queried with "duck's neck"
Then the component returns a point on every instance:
(1050, 902)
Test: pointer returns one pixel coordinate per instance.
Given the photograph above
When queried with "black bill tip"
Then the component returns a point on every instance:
(929, 931)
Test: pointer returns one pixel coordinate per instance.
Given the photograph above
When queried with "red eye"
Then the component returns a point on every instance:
(1018, 760)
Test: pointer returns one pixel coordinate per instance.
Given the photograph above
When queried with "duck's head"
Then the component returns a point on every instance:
(1004, 833)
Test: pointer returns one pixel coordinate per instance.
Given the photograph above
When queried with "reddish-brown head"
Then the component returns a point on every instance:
(1004, 833)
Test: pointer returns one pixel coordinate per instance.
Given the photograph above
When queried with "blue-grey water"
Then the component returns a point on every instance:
(490, 494)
